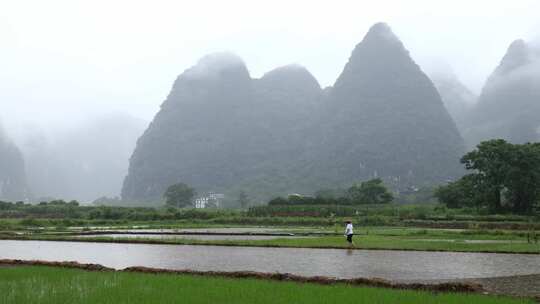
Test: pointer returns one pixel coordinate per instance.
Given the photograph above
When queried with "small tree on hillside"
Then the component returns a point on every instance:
(370, 192)
(179, 195)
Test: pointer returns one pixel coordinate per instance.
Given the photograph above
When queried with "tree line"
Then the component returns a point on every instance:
(373, 191)
(369, 192)
(503, 177)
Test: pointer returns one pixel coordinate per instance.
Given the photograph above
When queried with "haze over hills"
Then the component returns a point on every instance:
(457, 98)
(12, 175)
(222, 130)
(84, 163)
(509, 106)
(219, 129)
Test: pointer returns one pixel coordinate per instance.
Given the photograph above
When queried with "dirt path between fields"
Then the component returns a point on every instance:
(524, 285)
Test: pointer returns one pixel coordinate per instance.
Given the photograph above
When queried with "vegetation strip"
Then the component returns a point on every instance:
(194, 233)
(372, 282)
(243, 243)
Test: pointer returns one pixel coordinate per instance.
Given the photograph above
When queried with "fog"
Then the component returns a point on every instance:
(83, 162)
(65, 65)
(63, 59)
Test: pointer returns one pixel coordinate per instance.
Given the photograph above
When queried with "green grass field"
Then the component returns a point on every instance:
(40, 284)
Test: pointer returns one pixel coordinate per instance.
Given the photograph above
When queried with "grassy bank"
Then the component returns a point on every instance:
(381, 238)
(361, 242)
(38, 284)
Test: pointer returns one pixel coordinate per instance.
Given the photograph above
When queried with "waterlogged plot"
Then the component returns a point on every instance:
(395, 238)
(391, 265)
(47, 285)
(423, 243)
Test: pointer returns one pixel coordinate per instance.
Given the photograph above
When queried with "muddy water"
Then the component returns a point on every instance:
(391, 265)
(202, 237)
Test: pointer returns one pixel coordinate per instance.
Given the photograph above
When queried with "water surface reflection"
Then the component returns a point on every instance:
(391, 265)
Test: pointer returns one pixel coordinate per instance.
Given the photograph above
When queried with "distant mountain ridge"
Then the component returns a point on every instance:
(84, 162)
(509, 105)
(457, 98)
(13, 185)
(221, 130)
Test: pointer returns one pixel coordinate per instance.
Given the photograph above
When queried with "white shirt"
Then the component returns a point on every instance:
(349, 229)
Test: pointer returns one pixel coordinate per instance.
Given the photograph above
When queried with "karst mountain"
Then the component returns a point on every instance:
(384, 118)
(509, 106)
(458, 99)
(12, 171)
(222, 130)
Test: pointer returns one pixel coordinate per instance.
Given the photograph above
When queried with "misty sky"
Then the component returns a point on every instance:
(62, 61)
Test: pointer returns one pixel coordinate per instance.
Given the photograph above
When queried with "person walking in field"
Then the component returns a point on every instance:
(349, 233)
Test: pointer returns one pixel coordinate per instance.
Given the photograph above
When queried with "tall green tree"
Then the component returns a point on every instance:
(504, 177)
(490, 162)
(460, 193)
(370, 192)
(523, 178)
(179, 195)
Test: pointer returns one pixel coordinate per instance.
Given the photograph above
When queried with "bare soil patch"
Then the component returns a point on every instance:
(523, 285)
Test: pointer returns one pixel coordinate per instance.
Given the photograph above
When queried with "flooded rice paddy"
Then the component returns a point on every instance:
(400, 266)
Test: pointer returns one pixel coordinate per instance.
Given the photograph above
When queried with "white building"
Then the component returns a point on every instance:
(202, 202)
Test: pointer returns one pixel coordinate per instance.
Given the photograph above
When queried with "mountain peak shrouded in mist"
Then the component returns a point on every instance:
(213, 75)
(219, 64)
(12, 171)
(281, 133)
(457, 98)
(518, 54)
(509, 105)
(382, 32)
(291, 76)
(381, 37)
(381, 48)
(387, 119)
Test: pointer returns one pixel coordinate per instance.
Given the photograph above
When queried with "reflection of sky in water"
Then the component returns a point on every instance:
(392, 265)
